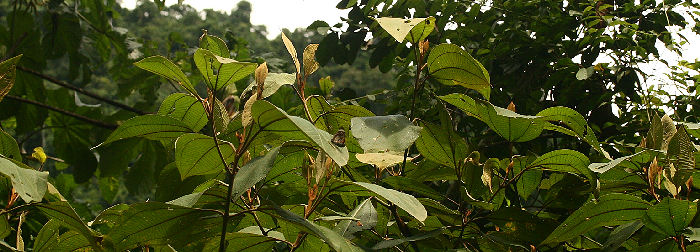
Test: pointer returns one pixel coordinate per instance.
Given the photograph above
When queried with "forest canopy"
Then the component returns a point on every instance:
(410, 125)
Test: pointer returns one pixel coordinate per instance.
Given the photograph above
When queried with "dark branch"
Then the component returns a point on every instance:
(82, 91)
(65, 112)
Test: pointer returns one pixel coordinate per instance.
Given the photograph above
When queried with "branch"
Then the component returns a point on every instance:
(82, 91)
(65, 112)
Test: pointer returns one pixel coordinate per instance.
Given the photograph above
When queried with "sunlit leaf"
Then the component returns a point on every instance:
(196, 154)
(214, 44)
(161, 66)
(218, 71)
(568, 161)
(292, 52)
(441, 144)
(185, 108)
(576, 123)
(405, 201)
(451, 65)
(153, 127)
(272, 119)
(9, 147)
(508, 124)
(273, 82)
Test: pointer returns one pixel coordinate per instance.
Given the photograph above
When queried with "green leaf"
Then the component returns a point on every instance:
(508, 124)
(7, 75)
(326, 85)
(670, 216)
(609, 210)
(9, 147)
(530, 180)
(155, 223)
(520, 226)
(254, 171)
(620, 235)
(219, 71)
(394, 242)
(273, 82)
(655, 135)
(692, 128)
(215, 45)
(364, 217)
(392, 133)
(422, 30)
(196, 154)
(161, 66)
(450, 65)
(405, 201)
(153, 127)
(569, 161)
(330, 237)
(576, 123)
(243, 241)
(221, 117)
(680, 146)
(49, 239)
(30, 184)
(270, 118)
(62, 211)
(440, 144)
(48, 236)
(5, 228)
(185, 108)
(399, 28)
(333, 118)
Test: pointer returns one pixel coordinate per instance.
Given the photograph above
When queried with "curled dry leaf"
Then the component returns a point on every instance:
(247, 116)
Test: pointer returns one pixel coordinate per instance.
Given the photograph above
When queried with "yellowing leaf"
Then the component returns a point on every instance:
(39, 154)
(310, 64)
(292, 51)
(381, 160)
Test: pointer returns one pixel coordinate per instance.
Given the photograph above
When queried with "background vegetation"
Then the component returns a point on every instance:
(467, 125)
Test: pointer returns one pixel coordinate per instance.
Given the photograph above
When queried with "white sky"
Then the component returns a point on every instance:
(275, 15)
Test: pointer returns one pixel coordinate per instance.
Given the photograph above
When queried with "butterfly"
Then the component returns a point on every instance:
(339, 138)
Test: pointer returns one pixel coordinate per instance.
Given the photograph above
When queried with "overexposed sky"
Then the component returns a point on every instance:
(275, 15)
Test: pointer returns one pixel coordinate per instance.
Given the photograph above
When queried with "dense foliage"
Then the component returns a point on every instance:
(486, 127)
